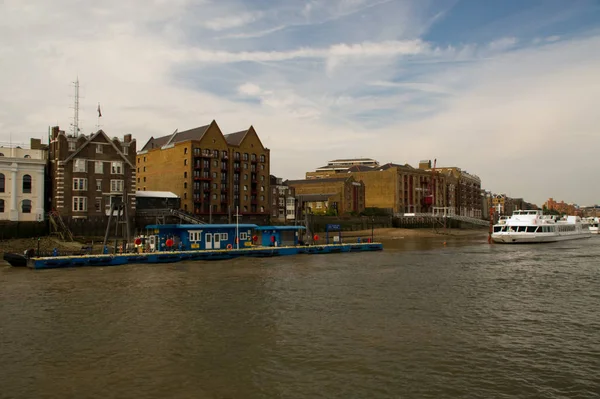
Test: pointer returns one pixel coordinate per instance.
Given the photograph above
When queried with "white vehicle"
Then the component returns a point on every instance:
(592, 223)
(532, 226)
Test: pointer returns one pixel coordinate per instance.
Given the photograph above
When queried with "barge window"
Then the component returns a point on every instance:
(195, 236)
(223, 236)
(521, 229)
(531, 229)
(243, 236)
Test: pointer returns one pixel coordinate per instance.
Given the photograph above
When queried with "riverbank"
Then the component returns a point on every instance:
(47, 244)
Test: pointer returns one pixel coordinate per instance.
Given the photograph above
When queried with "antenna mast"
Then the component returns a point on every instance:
(76, 109)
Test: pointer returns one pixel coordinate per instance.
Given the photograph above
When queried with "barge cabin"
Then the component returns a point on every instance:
(186, 237)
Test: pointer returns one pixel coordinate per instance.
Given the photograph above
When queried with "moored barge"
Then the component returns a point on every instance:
(175, 243)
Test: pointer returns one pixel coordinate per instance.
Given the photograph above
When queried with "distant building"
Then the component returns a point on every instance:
(22, 181)
(212, 173)
(90, 173)
(283, 201)
(336, 195)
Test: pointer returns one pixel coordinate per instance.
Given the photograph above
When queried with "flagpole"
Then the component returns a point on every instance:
(99, 116)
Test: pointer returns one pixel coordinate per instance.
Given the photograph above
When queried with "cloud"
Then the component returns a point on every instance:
(233, 21)
(521, 115)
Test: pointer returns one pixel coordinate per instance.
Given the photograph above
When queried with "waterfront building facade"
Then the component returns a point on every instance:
(22, 182)
(335, 195)
(283, 201)
(212, 173)
(90, 173)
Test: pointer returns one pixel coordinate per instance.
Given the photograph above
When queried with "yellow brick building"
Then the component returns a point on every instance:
(338, 195)
(212, 173)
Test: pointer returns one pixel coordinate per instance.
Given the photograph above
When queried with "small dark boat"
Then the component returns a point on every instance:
(16, 260)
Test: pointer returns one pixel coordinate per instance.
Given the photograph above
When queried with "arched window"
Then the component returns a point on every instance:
(2, 183)
(27, 184)
(1, 206)
(27, 156)
(1, 154)
(26, 207)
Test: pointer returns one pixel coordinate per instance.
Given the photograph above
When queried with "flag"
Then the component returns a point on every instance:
(99, 112)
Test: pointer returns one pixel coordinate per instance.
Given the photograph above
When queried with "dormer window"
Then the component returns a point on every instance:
(126, 150)
(99, 149)
(72, 146)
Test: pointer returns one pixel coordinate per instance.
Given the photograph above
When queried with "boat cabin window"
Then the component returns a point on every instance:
(497, 229)
(531, 229)
(195, 236)
(521, 229)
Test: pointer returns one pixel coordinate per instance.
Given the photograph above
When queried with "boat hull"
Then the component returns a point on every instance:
(178, 256)
(532, 238)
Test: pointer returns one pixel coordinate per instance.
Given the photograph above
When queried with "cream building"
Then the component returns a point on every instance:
(22, 182)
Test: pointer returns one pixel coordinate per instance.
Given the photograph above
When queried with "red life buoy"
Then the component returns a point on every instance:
(273, 238)
(169, 243)
(316, 238)
(229, 246)
(138, 241)
(254, 238)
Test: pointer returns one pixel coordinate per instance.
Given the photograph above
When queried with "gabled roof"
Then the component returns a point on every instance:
(177, 137)
(361, 168)
(155, 194)
(99, 133)
(236, 138)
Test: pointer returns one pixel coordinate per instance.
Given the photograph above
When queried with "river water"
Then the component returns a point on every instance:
(418, 320)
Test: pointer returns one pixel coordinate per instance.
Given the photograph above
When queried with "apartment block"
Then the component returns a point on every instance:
(22, 181)
(90, 173)
(283, 202)
(212, 173)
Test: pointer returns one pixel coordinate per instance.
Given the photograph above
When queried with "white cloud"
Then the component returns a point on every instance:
(233, 21)
(524, 120)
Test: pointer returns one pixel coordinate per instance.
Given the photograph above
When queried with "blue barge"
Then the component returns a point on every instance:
(181, 242)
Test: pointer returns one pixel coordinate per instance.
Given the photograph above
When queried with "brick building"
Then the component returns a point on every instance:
(89, 173)
(212, 173)
(283, 202)
(338, 195)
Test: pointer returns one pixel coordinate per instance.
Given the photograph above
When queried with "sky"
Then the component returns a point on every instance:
(506, 90)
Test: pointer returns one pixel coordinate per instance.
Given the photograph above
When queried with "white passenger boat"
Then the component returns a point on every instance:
(532, 226)
(593, 224)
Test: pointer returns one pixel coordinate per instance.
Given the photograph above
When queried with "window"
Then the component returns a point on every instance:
(79, 184)
(2, 182)
(245, 188)
(27, 184)
(185, 162)
(1, 205)
(116, 186)
(246, 177)
(214, 196)
(245, 156)
(245, 198)
(184, 195)
(262, 167)
(144, 159)
(139, 180)
(262, 178)
(80, 165)
(98, 185)
(214, 175)
(126, 150)
(99, 167)
(215, 153)
(215, 163)
(215, 186)
(195, 236)
(262, 197)
(262, 188)
(144, 168)
(224, 236)
(26, 206)
(184, 184)
(27, 156)
(262, 209)
(144, 179)
(185, 175)
(72, 146)
(243, 236)
(116, 168)
(99, 149)
(79, 204)
(98, 204)
(185, 150)
(245, 166)
(262, 158)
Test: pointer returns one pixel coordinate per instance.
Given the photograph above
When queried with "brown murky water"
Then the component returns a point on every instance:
(419, 320)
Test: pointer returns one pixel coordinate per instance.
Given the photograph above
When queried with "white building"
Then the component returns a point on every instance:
(22, 182)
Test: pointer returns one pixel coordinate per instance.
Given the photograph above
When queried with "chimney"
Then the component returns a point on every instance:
(426, 164)
(55, 132)
(127, 138)
(36, 144)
